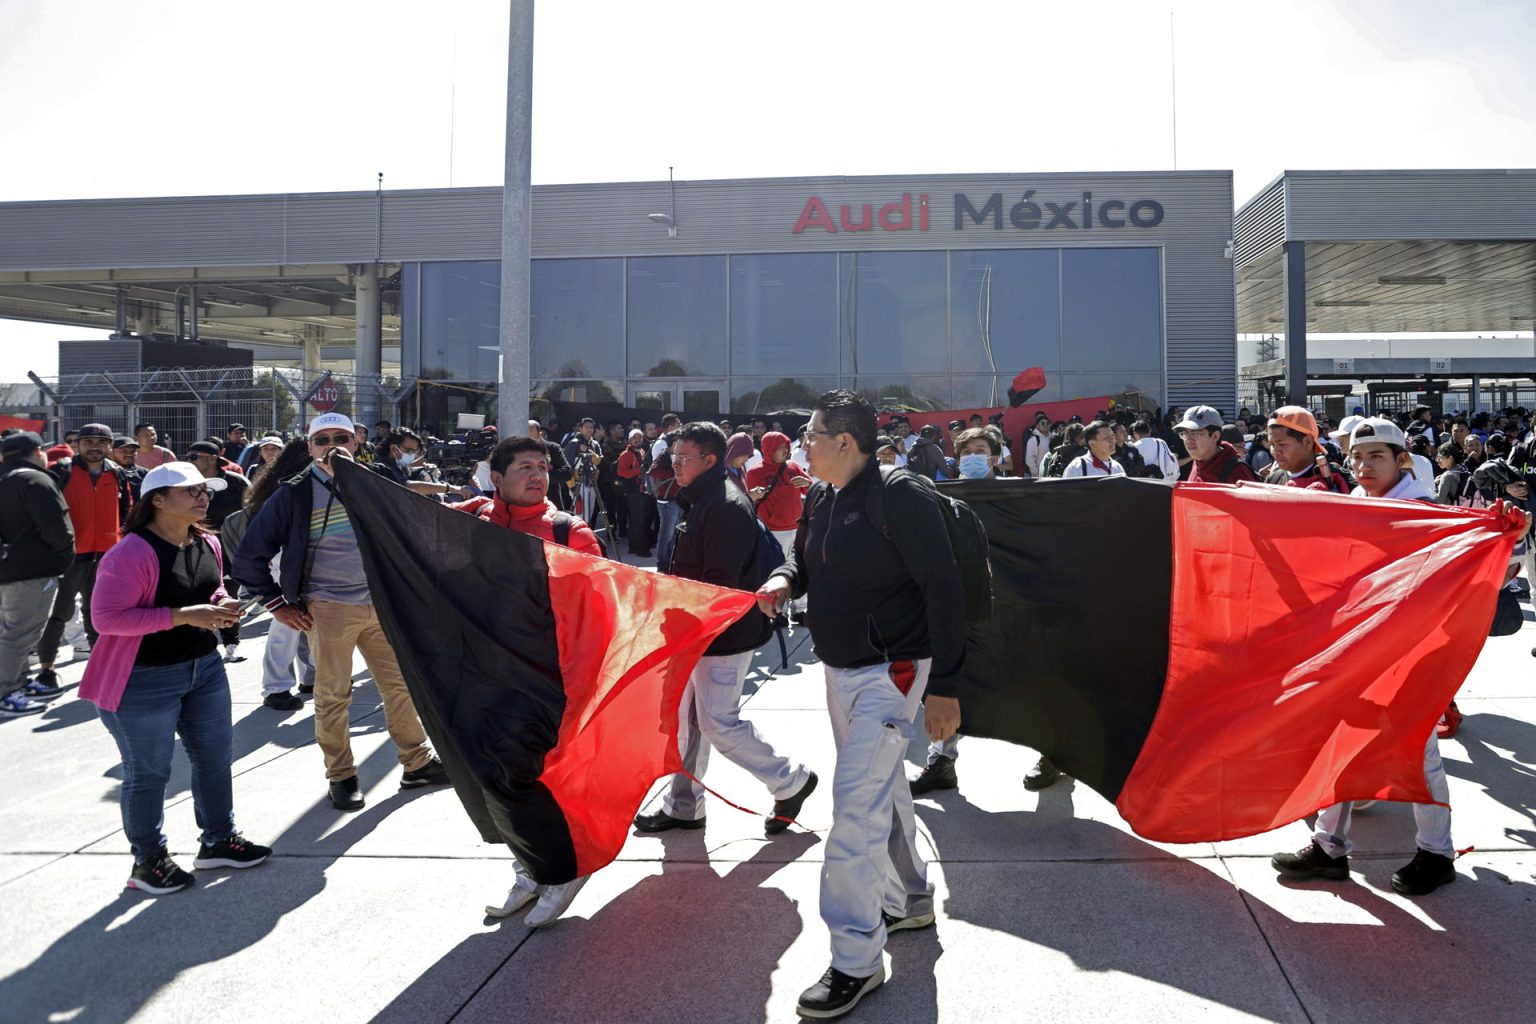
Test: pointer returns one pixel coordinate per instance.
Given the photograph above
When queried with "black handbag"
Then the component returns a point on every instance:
(1507, 616)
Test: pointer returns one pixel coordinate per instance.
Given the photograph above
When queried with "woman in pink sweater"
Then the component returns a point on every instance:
(156, 672)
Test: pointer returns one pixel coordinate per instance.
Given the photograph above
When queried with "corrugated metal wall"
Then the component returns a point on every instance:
(1260, 225)
(734, 216)
(1360, 206)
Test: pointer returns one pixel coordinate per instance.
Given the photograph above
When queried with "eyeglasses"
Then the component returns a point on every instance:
(683, 460)
(195, 491)
(325, 439)
(811, 435)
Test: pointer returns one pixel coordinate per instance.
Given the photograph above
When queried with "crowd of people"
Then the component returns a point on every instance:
(166, 555)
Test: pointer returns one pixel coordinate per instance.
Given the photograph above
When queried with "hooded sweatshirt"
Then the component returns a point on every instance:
(1225, 467)
(780, 509)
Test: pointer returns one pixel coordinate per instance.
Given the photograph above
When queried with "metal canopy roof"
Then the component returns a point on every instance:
(1392, 251)
(270, 306)
(1413, 287)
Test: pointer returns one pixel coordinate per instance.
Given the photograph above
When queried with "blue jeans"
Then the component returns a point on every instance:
(190, 698)
(670, 513)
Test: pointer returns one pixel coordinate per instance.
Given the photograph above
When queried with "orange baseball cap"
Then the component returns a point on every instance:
(1296, 418)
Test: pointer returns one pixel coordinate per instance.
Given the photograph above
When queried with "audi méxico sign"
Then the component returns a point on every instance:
(1026, 213)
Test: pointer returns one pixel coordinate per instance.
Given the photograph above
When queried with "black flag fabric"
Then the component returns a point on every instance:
(548, 680)
(1222, 660)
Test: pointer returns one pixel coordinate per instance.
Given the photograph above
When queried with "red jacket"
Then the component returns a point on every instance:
(536, 520)
(631, 463)
(96, 511)
(780, 510)
(1225, 467)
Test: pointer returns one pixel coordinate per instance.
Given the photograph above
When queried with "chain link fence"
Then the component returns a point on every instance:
(185, 405)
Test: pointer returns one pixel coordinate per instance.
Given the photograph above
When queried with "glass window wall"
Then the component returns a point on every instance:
(1005, 310)
(1112, 311)
(577, 318)
(784, 314)
(892, 312)
(676, 316)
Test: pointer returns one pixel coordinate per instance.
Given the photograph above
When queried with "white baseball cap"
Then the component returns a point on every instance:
(331, 421)
(178, 474)
(271, 439)
(1381, 430)
(1346, 427)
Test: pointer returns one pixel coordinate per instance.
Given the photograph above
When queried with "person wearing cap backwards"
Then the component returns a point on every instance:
(322, 590)
(206, 456)
(99, 499)
(150, 454)
(1216, 461)
(39, 547)
(234, 443)
(124, 451)
(157, 674)
(1294, 445)
(1378, 455)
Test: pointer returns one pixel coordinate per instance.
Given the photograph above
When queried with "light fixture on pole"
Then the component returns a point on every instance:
(667, 220)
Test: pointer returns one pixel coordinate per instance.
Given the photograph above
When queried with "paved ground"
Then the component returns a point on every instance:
(1049, 908)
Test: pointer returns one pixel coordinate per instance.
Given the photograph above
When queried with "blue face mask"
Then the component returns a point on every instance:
(975, 467)
(405, 461)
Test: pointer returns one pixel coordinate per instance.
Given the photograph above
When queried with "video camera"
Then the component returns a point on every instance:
(458, 457)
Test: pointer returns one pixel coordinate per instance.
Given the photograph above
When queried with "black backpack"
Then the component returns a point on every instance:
(562, 529)
(967, 539)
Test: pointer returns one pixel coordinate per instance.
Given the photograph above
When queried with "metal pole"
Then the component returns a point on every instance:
(516, 226)
(1295, 285)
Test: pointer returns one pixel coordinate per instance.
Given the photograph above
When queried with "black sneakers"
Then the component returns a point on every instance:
(430, 774)
(159, 875)
(902, 924)
(44, 687)
(345, 795)
(1424, 874)
(1042, 775)
(939, 774)
(306, 688)
(234, 852)
(837, 993)
(661, 821)
(784, 810)
(284, 701)
(1311, 862)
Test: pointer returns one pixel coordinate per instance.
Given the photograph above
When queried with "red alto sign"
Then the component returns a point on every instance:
(324, 396)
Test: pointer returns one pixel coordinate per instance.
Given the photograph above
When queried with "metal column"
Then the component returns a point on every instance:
(516, 224)
(370, 344)
(1295, 278)
(1477, 386)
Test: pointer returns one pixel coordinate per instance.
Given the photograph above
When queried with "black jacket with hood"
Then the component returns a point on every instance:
(34, 524)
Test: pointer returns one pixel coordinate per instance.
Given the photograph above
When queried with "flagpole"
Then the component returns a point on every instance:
(516, 226)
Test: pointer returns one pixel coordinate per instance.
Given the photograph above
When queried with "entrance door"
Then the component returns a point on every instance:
(690, 399)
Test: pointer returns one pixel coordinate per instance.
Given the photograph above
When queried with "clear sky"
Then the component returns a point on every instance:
(182, 97)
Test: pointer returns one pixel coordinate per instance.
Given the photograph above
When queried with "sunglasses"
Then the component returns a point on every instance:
(325, 439)
(195, 491)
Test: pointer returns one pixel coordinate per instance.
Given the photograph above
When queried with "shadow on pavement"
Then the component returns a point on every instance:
(1508, 778)
(1131, 909)
(106, 968)
(685, 944)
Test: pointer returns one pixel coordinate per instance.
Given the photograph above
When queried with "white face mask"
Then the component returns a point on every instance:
(975, 467)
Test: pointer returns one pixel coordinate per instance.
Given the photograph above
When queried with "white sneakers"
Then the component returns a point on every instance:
(554, 900)
(519, 896)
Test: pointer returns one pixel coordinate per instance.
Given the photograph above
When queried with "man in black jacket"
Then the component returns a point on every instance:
(39, 546)
(717, 542)
(887, 615)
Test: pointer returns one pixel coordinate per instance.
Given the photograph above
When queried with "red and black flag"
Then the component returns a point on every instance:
(1221, 661)
(548, 680)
